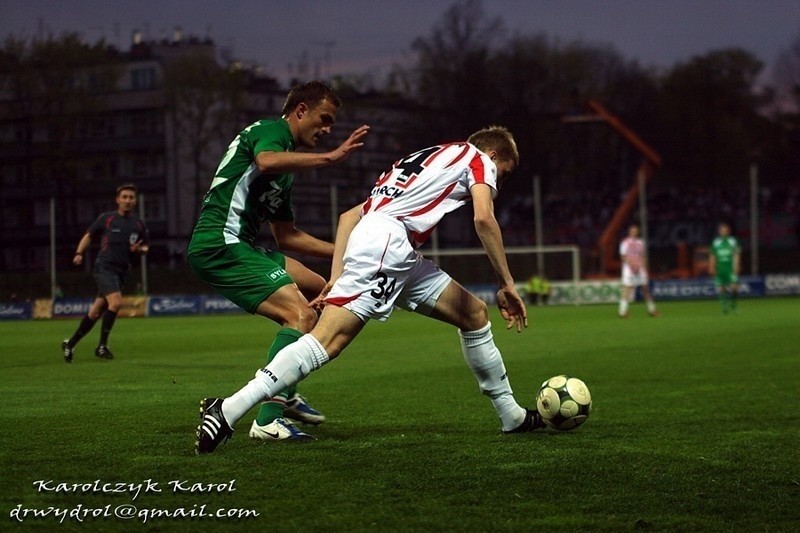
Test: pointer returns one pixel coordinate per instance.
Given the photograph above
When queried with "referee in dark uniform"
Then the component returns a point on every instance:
(123, 235)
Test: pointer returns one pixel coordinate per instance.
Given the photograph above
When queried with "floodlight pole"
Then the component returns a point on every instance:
(643, 212)
(143, 257)
(53, 284)
(537, 216)
(754, 219)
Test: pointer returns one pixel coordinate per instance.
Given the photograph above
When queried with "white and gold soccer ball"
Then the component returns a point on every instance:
(564, 402)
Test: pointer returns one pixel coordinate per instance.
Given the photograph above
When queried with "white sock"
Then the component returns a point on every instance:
(290, 365)
(651, 306)
(623, 307)
(486, 363)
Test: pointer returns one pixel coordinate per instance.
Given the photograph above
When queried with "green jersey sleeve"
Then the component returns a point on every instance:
(271, 136)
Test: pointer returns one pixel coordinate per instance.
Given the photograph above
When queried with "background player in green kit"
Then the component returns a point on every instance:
(723, 263)
(252, 185)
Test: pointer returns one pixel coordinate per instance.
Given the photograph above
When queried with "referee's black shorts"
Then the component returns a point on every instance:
(108, 279)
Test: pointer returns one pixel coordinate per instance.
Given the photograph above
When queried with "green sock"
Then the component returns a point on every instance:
(273, 408)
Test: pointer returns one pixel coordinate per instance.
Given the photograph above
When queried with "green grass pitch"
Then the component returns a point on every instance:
(695, 427)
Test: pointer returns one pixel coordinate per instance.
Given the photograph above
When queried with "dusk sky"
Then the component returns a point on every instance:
(342, 36)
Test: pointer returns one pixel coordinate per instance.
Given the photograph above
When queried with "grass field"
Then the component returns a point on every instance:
(695, 427)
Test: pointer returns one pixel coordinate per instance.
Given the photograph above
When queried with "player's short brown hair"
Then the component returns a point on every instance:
(312, 94)
(496, 138)
(126, 187)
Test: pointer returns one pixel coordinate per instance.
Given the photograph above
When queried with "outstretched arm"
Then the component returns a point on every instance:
(291, 239)
(286, 162)
(508, 299)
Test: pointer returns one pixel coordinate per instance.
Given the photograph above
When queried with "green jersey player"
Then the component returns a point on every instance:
(724, 262)
(251, 186)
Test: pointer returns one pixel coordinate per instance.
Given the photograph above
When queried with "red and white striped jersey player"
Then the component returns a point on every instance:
(634, 272)
(376, 266)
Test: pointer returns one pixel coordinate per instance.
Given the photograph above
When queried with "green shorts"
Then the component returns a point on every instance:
(726, 278)
(243, 274)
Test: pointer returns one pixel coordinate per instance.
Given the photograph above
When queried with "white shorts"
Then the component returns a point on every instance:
(629, 279)
(382, 270)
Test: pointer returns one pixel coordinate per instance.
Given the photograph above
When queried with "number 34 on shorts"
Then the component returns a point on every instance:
(384, 290)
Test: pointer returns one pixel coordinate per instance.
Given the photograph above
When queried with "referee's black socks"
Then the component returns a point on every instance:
(108, 322)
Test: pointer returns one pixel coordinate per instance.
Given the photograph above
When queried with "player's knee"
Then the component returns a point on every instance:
(305, 319)
(475, 316)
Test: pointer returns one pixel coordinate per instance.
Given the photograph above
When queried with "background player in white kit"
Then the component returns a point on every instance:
(376, 266)
(634, 272)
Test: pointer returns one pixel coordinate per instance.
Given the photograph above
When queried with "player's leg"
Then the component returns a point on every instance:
(289, 308)
(649, 301)
(257, 281)
(722, 296)
(85, 326)
(109, 284)
(723, 292)
(624, 300)
(336, 328)
(310, 284)
(457, 306)
(109, 317)
(734, 295)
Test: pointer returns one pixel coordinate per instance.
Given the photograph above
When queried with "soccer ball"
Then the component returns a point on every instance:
(564, 402)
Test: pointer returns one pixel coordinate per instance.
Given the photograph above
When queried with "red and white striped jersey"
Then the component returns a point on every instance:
(423, 187)
(633, 250)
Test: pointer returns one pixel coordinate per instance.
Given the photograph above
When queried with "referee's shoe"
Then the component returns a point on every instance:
(103, 352)
(69, 351)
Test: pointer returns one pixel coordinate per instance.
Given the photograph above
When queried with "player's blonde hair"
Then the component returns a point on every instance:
(496, 138)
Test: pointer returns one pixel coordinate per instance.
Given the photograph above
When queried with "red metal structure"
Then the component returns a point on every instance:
(609, 262)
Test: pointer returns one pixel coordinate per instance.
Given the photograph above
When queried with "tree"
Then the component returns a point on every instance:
(787, 79)
(539, 81)
(204, 102)
(709, 115)
(787, 74)
(470, 74)
(54, 89)
(452, 71)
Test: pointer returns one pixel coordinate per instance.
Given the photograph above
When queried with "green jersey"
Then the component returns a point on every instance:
(241, 198)
(724, 250)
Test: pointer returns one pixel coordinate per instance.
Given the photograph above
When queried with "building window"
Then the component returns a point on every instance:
(143, 79)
